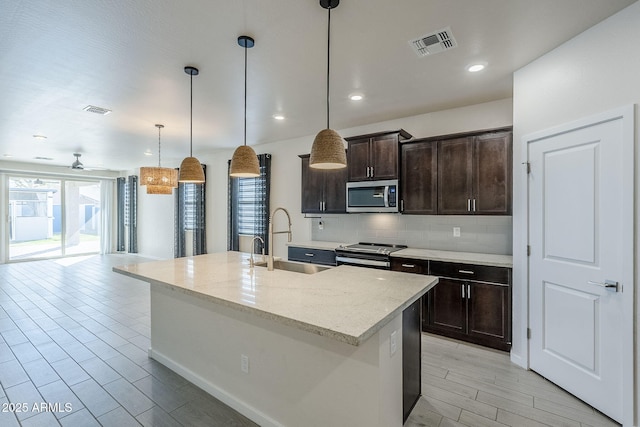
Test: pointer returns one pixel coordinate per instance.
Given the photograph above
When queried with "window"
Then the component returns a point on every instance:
(249, 208)
(190, 219)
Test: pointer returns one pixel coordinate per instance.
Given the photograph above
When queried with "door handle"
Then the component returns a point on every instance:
(608, 284)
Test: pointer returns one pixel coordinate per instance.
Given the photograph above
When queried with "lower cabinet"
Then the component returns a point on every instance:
(314, 256)
(471, 303)
(411, 358)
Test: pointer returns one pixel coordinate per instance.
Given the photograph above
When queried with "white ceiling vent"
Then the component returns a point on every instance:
(432, 43)
(97, 110)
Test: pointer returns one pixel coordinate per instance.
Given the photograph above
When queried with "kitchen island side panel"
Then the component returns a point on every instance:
(295, 377)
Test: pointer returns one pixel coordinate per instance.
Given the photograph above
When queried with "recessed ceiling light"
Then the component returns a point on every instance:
(356, 97)
(148, 153)
(474, 68)
(41, 137)
(278, 116)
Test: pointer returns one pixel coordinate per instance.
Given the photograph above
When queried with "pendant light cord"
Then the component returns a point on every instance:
(245, 92)
(159, 146)
(328, 59)
(191, 124)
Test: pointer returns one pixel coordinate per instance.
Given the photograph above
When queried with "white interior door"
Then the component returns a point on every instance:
(580, 267)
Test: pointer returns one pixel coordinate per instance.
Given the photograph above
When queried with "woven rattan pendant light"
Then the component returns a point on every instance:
(327, 151)
(159, 180)
(190, 168)
(244, 163)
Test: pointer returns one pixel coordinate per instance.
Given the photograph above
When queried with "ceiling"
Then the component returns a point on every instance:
(59, 56)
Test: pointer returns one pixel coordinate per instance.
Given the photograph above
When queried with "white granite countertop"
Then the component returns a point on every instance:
(317, 244)
(345, 303)
(461, 257)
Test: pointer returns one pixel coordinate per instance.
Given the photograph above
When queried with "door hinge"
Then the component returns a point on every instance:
(528, 166)
(528, 250)
(528, 333)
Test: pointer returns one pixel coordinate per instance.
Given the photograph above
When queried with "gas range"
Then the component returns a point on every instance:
(375, 255)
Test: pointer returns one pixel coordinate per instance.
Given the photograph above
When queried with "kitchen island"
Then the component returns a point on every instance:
(284, 348)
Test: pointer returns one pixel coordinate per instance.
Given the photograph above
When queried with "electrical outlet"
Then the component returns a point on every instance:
(244, 363)
(456, 231)
(320, 225)
(393, 342)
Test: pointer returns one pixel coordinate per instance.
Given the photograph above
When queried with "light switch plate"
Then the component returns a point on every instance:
(456, 231)
(244, 363)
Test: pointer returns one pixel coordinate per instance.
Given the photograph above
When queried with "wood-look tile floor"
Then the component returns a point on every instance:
(468, 385)
(73, 332)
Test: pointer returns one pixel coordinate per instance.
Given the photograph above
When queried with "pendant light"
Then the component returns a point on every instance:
(244, 163)
(327, 151)
(159, 180)
(190, 168)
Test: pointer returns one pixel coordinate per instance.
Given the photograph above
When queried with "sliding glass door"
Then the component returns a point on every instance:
(52, 217)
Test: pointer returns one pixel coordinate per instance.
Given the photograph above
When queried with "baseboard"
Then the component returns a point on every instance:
(226, 398)
(518, 360)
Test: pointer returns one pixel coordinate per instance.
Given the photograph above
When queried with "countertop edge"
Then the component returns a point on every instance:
(445, 258)
(297, 324)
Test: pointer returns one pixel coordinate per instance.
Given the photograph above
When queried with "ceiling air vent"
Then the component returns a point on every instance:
(97, 110)
(436, 42)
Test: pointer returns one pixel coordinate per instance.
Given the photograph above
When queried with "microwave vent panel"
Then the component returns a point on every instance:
(433, 43)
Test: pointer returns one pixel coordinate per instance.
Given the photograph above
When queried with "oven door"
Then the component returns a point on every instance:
(372, 196)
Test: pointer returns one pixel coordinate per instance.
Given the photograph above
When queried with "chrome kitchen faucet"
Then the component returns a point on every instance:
(271, 233)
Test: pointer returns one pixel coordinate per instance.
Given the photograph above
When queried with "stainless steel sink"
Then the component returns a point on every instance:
(297, 267)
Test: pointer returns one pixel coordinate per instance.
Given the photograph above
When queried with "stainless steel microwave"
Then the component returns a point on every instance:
(372, 196)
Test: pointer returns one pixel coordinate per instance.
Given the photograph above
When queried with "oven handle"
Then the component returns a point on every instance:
(386, 196)
(359, 261)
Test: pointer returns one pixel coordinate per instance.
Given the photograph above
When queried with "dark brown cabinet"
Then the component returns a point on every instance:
(323, 191)
(419, 177)
(411, 358)
(470, 302)
(311, 255)
(474, 174)
(374, 156)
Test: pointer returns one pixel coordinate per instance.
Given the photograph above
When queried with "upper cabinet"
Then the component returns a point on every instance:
(475, 174)
(374, 156)
(419, 177)
(323, 190)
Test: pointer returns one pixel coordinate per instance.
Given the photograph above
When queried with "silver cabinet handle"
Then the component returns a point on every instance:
(474, 205)
(463, 295)
(402, 205)
(320, 203)
(372, 174)
(324, 206)
(466, 272)
(468, 291)
(409, 265)
(368, 173)
(608, 284)
(468, 205)
(309, 254)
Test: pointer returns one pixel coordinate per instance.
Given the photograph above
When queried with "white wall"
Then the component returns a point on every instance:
(155, 223)
(592, 73)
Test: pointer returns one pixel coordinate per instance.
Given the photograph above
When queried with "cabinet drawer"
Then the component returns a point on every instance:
(408, 265)
(481, 273)
(315, 256)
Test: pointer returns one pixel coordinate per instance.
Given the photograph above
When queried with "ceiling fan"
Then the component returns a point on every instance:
(77, 164)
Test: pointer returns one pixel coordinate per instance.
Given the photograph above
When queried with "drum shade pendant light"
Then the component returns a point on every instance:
(244, 163)
(159, 180)
(190, 168)
(327, 151)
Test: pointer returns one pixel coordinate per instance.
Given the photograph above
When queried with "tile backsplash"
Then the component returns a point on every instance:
(485, 234)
